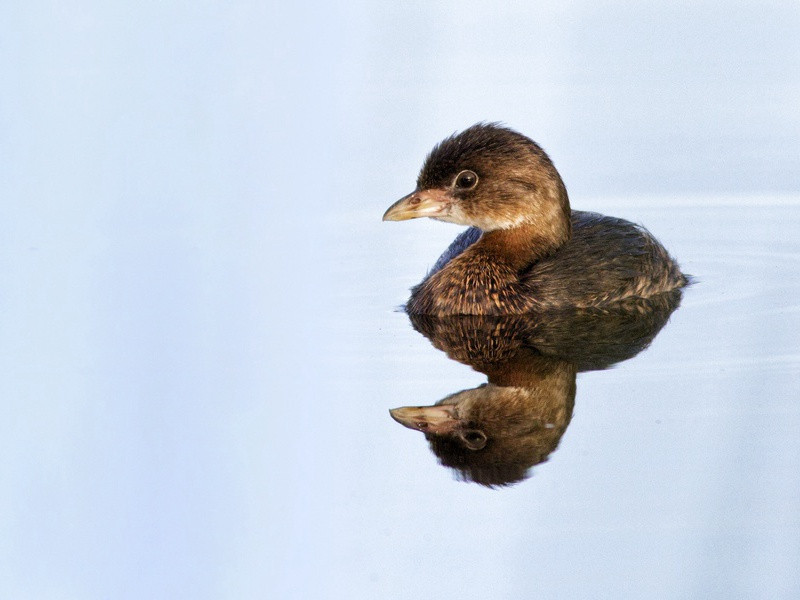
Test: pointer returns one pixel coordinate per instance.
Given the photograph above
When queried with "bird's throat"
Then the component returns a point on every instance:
(518, 247)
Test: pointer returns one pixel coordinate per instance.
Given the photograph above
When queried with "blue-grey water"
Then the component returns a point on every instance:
(199, 341)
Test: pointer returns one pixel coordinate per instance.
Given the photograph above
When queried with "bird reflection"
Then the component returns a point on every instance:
(495, 433)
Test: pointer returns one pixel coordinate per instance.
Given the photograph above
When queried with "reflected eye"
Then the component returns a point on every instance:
(474, 439)
(466, 180)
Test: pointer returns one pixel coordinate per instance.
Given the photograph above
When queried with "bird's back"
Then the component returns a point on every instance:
(606, 260)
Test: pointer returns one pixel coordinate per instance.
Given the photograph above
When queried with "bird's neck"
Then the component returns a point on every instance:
(529, 369)
(485, 279)
(519, 247)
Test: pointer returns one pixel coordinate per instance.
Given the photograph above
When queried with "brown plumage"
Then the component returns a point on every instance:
(525, 251)
(495, 433)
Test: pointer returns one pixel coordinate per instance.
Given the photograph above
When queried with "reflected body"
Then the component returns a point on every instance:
(525, 250)
(495, 433)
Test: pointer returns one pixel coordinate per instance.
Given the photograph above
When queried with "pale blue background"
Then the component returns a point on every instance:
(197, 347)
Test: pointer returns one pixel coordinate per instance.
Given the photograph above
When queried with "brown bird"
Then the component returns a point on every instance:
(495, 433)
(525, 251)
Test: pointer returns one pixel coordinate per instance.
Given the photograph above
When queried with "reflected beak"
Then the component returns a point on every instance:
(420, 203)
(440, 419)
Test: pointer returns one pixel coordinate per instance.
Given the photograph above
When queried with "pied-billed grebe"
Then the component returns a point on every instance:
(495, 433)
(525, 250)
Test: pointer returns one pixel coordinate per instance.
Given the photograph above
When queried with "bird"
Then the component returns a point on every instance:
(525, 250)
(495, 433)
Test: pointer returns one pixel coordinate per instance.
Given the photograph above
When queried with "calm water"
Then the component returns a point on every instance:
(199, 341)
(678, 472)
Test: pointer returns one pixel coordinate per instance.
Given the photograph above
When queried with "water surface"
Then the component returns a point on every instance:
(199, 340)
(679, 468)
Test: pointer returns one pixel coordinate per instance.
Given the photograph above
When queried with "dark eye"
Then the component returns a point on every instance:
(466, 180)
(474, 439)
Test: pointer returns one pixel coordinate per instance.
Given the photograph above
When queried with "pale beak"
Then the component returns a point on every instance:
(440, 419)
(420, 203)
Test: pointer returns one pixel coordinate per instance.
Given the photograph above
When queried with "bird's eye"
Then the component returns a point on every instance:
(466, 180)
(474, 439)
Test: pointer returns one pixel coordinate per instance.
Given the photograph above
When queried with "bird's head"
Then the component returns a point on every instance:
(493, 435)
(490, 177)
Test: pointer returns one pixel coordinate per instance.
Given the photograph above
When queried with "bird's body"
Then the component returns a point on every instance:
(627, 262)
(526, 250)
(494, 433)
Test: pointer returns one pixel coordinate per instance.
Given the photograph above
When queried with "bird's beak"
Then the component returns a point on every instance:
(440, 419)
(420, 203)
